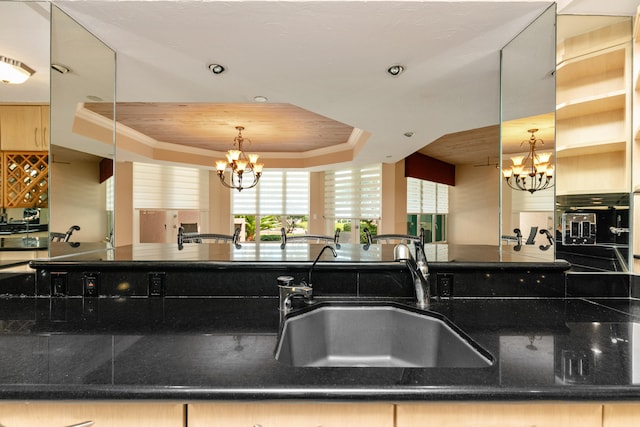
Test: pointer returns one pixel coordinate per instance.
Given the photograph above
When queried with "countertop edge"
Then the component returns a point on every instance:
(356, 394)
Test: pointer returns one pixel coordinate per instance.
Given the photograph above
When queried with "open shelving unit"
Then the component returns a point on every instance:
(593, 111)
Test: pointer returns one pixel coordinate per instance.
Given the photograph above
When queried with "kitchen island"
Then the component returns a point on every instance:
(210, 336)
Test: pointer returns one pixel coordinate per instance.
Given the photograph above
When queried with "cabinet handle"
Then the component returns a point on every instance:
(35, 137)
(44, 137)
(82, 424)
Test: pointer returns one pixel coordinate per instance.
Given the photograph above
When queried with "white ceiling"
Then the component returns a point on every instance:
(328, 57)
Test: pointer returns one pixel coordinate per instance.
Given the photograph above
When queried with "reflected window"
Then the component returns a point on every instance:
(427, 208)
(281, 200)
(353, 201)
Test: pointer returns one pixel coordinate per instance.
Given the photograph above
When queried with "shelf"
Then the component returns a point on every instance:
(591, 67)
(591, 105)
(587, 148)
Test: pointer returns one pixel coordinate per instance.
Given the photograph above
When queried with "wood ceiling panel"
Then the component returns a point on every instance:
(270, 127)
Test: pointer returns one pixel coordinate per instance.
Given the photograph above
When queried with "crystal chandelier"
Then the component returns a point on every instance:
(533, 172)
(245, 171)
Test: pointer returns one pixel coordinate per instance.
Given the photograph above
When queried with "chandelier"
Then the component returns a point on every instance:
(245, 171)
(533, 172)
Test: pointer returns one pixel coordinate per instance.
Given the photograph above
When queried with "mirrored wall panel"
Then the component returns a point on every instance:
(527, 137)
(24, 131)
(82, 142)
(593, 142)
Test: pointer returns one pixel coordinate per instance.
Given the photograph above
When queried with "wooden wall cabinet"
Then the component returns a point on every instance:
(61, 414)
(291, 414)
(24, 127)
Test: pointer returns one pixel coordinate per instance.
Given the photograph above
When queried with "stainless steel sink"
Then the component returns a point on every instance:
(376, 335)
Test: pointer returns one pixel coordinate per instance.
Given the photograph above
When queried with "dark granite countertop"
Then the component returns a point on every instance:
(223, 348)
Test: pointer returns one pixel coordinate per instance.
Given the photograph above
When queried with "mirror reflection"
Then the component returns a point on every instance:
(82, 143)
(24, 131)
(593, 141)
(527, 140)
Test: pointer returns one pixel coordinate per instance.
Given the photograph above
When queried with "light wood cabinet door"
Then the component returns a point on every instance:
(499, 415)
(103, 414)
(21, 128)
(621, 415)
(45, 125)
(290, 415)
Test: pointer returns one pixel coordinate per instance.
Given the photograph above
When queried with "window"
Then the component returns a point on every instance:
(280, 200)
(353, 201)
(427, 207)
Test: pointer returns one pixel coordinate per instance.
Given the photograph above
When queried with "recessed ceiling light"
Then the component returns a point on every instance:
(260, 98)
(60, 68)
(395, 70)
(94, 98)
(408, 134)
(216, 68)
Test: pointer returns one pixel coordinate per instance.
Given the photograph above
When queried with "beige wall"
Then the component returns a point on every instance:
(219, 206)
(77, 198)
(394, 199)
(123, 215)
(316, 203)
(474, 206)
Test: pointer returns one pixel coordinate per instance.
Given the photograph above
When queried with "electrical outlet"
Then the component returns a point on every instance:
(577, 367)
(156, 284)
(59, 284)
(91, 284)
(444, 284)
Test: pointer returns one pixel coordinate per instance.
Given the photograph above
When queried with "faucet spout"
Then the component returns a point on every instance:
(333, 251)
(419, 269)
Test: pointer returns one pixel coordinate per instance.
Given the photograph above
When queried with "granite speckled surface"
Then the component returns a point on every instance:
(223, 348)
(214, 333)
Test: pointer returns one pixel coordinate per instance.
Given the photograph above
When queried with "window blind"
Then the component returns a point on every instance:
(425, 197)
(354, 193)
(158, 186)
(277, 193)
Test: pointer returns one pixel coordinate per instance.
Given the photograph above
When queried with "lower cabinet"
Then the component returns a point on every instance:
(290, 415)
(112, 414)
(306, 414)
(500, 415)
(621, 415)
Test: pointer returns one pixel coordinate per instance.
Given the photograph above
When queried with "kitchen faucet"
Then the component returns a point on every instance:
(287, 289)
(419, 269)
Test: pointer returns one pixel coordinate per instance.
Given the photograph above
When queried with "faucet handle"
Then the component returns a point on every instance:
(285, 281)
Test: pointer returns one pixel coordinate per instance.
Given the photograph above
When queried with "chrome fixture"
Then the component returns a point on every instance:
(216, 68)
(395, 70)
(243, 165)
(536, 166)
(419, 269)
(287, 289)
(13, 71)
(333, 251)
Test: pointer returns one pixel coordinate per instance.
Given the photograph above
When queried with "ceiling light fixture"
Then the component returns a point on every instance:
(395, 70)
(408, 134)
(216, 68)
(243, 165)
(260, 98)
(536, 166)
(60, 68)
(14, 72)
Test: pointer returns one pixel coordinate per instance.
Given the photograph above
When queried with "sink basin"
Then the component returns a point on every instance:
(376, 335)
